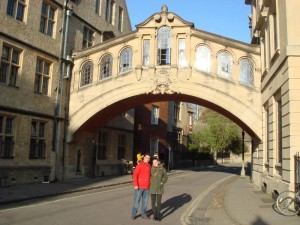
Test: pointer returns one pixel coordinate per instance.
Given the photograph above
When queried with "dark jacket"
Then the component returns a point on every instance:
(141, 175)
(158, 178)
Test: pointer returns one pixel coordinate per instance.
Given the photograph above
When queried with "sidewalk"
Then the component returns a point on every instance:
(242, 203)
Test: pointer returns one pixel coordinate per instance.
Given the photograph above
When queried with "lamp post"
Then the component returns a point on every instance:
(243, 152)
(169, 158)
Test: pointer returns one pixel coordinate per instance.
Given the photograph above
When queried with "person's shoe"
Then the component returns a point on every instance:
(146, 217)
(132, 217)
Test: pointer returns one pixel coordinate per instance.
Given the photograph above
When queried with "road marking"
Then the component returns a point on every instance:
(189, 211)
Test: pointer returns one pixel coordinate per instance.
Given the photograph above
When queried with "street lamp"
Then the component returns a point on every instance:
(243, 152)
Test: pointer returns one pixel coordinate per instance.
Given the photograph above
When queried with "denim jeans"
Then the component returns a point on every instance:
(138, 194)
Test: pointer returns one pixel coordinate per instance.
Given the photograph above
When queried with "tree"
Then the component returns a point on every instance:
(217, 134)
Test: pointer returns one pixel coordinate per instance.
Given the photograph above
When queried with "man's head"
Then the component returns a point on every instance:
(147, 158)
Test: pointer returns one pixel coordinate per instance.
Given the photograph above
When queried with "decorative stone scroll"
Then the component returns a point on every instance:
(163, 84)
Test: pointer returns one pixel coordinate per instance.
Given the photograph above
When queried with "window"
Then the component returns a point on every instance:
(37, 140)
(10, 61)
(181, 53)
(102, 145)
(86, 73)
(16, 9)
(126, 60)
(120, 20)
(42, 76)
(279, 130)
(47, 19)
(246, 72)
(106, 67)
(176, 111)
(203, 58)
(87, 37)
(224, 65)
(97, 6)
(154, 114)
(164, 46)
(154, 146)
(121, 146)
(6, 137)
(109, 11)
(146, 52)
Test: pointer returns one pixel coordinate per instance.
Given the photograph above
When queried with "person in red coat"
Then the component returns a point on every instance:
(141, 181)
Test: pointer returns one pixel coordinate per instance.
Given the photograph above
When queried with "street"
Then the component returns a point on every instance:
(180, 203)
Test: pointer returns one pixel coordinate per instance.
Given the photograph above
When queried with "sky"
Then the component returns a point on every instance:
(228, 18)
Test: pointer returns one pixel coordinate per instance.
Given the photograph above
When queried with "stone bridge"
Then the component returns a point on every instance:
(166, 58)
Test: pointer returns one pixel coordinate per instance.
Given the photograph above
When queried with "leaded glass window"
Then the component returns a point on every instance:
(203, 58)
(164, 46)
(181, 53)
(86, 73)
(246, 72)
(146, 52)
(10, 64)
(225, 65)
(126, 60)
(42, 76)
(106, 67)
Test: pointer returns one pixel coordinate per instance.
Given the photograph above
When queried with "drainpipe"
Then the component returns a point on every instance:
(66, 14)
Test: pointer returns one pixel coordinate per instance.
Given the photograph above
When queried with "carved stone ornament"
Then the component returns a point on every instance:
(163, 84)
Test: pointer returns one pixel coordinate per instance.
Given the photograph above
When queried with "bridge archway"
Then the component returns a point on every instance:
(138, 68)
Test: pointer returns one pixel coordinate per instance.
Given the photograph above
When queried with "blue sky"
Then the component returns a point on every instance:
(227, 18)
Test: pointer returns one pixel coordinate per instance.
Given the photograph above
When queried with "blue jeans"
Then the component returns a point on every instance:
(138, 194)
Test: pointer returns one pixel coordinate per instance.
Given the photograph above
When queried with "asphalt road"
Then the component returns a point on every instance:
(181, 204)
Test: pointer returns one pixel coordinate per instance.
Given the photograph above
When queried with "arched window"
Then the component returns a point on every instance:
(126, 60)
(203, 58)
(164, 46)
(106, 67)
(225, 65)
(246, 72)
(86, 73)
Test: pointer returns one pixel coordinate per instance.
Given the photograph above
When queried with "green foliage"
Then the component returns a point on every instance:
(219, 134)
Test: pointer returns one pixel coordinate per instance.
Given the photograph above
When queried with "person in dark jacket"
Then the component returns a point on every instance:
(158, 178)
(141, 180)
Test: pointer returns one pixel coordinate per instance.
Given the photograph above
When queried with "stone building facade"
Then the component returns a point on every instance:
(36, 43)
(275, 27)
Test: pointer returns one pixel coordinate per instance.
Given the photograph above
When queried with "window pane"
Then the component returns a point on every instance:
(224, 65)
(106, 67)
(9, 126)
(10, 7)
(87, 73)
(5, 53)
(246, 72)
(146, 52)
(4, 72)
(181, 53)
(13, 76)
(126, 60)
(203, 57)
(164, 46)
(20, 12)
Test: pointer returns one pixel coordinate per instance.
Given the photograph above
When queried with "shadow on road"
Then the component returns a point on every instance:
(174, 203)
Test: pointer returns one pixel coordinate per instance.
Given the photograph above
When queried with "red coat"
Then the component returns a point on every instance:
(141, 175)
